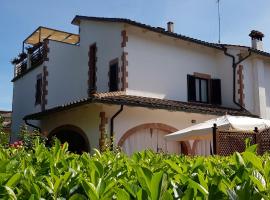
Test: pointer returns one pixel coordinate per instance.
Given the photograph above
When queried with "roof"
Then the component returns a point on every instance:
(263, 53)
(78, 18)
(42, 33)
(121, 98)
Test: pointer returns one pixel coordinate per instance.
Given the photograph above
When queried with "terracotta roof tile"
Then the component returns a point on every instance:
(120, 98)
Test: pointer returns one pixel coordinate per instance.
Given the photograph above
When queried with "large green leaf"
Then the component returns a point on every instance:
(14, 180)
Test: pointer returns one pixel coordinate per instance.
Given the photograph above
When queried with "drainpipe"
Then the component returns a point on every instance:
(32, 125)
(234, 65)
(112, 122)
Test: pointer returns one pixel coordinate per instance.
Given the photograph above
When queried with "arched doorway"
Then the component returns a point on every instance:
(150, 136)
(74, 136)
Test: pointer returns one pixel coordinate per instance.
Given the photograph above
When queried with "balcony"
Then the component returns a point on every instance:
(35, 49)
(34, 58)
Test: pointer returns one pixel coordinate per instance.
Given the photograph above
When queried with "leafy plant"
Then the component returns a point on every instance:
(54, 173)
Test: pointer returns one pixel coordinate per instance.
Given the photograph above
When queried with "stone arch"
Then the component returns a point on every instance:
(185, 146)
(75, 136)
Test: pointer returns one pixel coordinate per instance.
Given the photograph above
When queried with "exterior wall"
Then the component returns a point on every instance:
(88, 119)
(158, 65)
(267, 88)
(225, 73)
(85, 117)
(134, 116)
(24, 90)
(107, 37)
(67, 74)
(257, 85)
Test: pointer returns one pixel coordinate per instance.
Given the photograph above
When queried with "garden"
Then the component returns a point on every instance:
(31, 170)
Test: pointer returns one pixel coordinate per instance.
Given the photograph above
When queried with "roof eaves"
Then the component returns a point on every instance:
(77, 19)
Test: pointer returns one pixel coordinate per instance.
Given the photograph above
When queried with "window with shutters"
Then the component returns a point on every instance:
(113, 76)
(204, 90)
(38, 89)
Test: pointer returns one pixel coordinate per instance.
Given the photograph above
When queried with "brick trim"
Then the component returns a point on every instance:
(46, 50)
(124, 71)
(124, 38)
(201, 75)
(44, 88)
(102, 129)
(240, 82)
(112, 62)
(92, 69)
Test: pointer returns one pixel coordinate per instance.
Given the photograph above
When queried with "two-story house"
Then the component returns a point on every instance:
(135, 83)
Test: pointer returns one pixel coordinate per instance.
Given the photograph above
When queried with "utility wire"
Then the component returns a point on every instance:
(218, 2)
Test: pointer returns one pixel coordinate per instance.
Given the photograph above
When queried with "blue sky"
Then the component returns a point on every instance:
(195, 18)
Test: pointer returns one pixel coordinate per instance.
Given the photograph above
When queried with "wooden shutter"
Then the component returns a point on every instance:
(191, 84)
(215, 89)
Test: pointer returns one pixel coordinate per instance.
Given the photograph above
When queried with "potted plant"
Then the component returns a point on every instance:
(22, 56)
(15, 61)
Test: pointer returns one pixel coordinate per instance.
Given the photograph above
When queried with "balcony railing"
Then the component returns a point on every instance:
(35, 58)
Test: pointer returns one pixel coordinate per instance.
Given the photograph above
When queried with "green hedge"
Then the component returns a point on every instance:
(43, 173)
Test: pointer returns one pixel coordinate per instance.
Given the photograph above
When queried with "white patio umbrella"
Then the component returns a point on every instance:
(203, 131)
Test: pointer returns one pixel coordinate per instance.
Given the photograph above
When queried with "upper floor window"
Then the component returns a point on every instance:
(113, 76)
(204, 89)
(38, 89)
(92, 68)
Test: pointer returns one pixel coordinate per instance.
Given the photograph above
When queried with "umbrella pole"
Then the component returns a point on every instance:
(214, 139)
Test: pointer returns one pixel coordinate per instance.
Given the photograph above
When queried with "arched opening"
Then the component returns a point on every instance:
(74, 136)
(151, 136)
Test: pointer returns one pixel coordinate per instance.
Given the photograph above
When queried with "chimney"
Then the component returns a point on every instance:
(170, 27)
(256, 39)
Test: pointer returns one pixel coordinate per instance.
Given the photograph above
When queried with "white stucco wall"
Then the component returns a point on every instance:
(24, 91)
(107, 37)
(267, 87)
(158, 66)
(85, 117)
(68, 74)
(131, 117)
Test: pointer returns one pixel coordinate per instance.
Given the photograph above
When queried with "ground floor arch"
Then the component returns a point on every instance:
(151, 136)
(75, 136)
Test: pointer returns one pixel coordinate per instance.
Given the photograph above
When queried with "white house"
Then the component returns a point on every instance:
(134, 82)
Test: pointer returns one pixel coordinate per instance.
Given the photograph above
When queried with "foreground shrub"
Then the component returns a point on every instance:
(54, 173)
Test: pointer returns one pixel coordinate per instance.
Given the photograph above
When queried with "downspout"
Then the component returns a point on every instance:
(112, 123)
(234, 65)
(32, 125)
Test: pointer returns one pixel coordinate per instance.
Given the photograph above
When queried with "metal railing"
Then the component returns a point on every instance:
(36, 58)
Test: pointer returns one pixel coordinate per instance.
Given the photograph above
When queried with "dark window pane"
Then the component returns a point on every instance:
(191, 84)
(114, 77)
(38, 89)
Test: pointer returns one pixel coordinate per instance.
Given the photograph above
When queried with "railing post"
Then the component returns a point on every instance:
(257, 139)
(214, 130)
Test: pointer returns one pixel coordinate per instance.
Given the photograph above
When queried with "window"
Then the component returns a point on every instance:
(113, 76)
(38, 89)
(92, 68)
(201, 90)
(204, 90)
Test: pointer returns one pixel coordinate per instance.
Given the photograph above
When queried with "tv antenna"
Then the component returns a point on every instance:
(218, 4)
